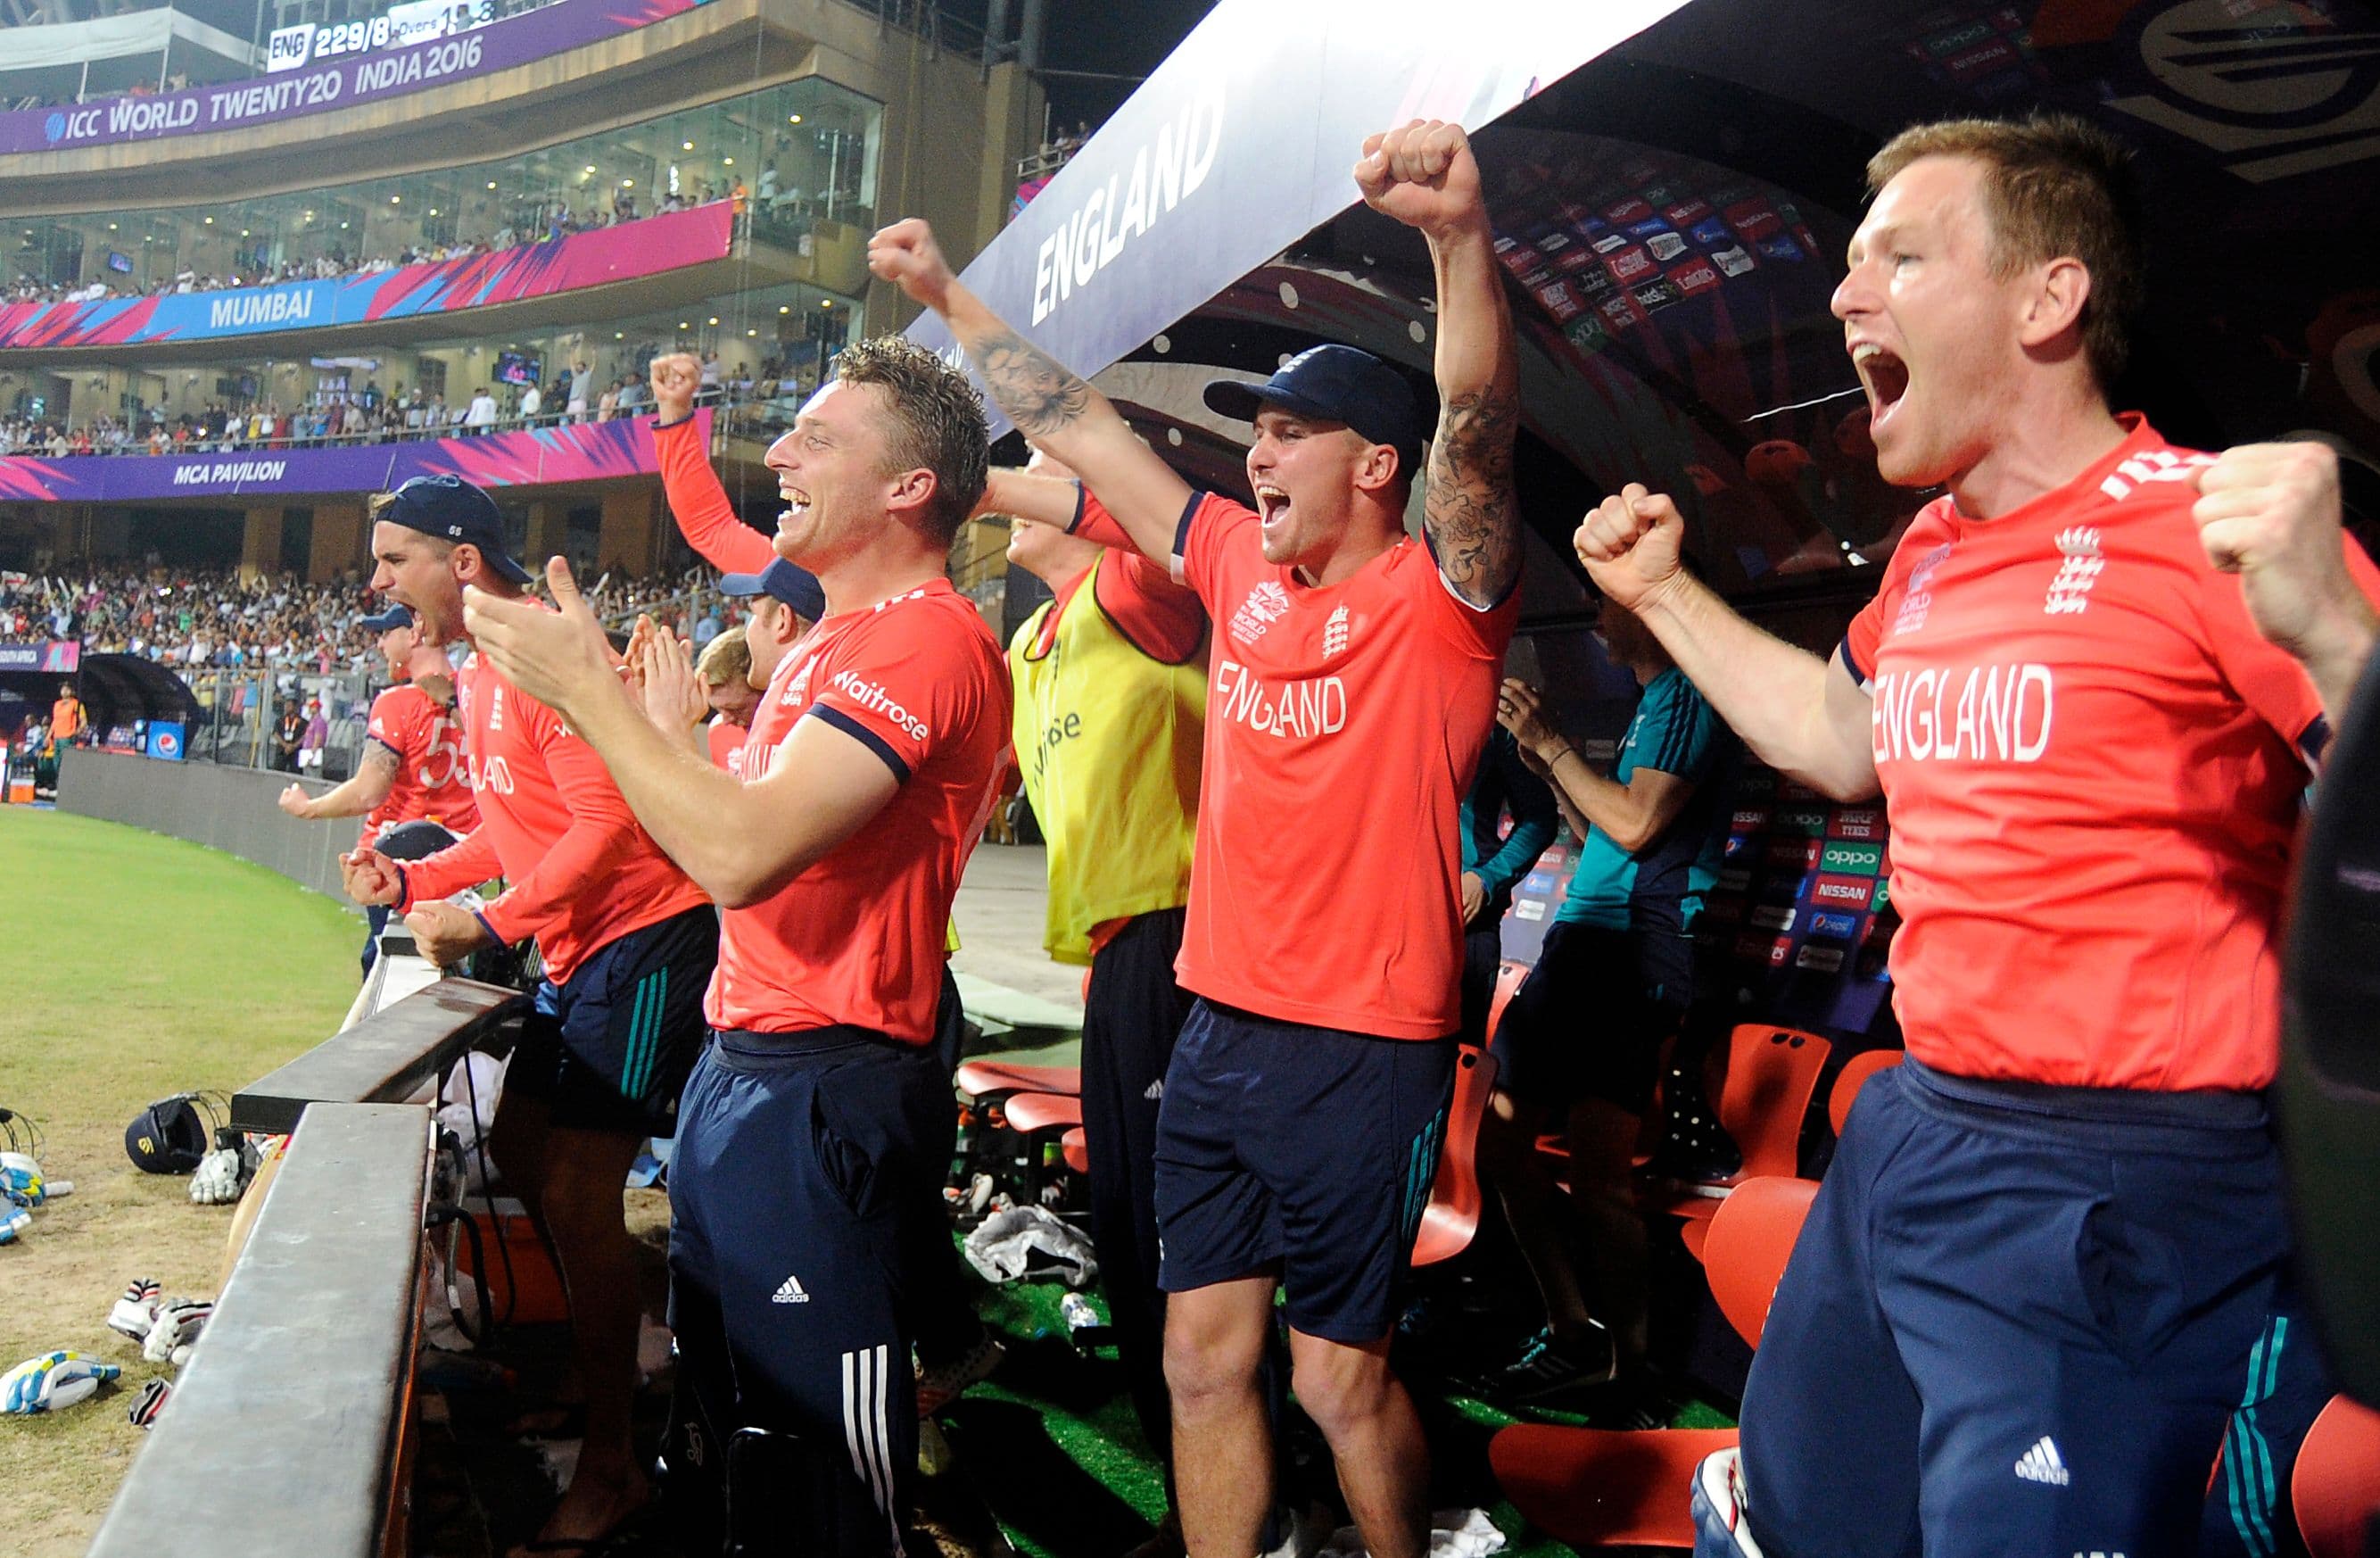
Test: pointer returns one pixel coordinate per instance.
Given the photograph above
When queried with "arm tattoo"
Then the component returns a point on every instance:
(379, 759)
(1038, 392)
(1467, 506)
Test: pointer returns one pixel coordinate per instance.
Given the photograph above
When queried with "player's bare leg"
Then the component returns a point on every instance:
(1222, 1438)
(584, 1172)
(1375, 1437)
(1603, 1139)
(1535, 1208)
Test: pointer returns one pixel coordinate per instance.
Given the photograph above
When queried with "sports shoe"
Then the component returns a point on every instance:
(1551, 1366)
(941, 1385)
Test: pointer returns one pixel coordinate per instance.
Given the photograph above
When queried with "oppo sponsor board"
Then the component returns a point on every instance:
(575, 452)
(366, 76)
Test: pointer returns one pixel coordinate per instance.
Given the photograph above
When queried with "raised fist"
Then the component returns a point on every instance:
(674, 377)
(907, 255)
(1423, 174)
(1629, 545)
(2270, 513)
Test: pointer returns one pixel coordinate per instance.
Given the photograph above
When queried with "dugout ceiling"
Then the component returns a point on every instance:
(1673, 216)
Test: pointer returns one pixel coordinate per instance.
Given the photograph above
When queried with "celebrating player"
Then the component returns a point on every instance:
(1353, 681)
(628, 941)
(412, 768)
(1111, 680)
(2030, 1287)
(817, 1125)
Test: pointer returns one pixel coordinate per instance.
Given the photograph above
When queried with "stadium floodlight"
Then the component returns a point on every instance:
(491, 183)
(712, 319)
(726, 162)
(685, 145)
(784, 308)
(795, 120)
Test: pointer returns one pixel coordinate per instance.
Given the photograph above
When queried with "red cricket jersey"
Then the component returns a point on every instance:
(431, 781)
(1343, 724)
(857, 938)
(699, 504)
(2091, 764)
(724, 739)
(580, 873)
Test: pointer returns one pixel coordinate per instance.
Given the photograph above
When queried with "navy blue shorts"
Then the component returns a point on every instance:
(1589, 1020)
(610, 1050)
(1303, 1151)
(804, 1186)
(2019, 1319)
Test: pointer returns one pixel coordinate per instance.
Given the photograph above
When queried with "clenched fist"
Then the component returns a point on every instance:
(1629, 545)
(907, 255)
(675, 377)
(2270, 513)
(1423, 174)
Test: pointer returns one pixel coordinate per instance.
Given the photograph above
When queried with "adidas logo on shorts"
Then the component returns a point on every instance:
(1156, 1090)
(789, 1292)
(2041, 1463)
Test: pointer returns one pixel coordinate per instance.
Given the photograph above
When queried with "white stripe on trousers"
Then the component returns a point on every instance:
(865, 1431)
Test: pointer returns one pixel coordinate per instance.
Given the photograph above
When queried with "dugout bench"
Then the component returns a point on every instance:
(291, 1428)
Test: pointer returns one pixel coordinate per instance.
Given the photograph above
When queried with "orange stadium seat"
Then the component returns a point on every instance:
(1628, 1488)
(1853, 1076)
(990, 1078)
(1772, 1073)
(2335, 1488)
(1451, 1217)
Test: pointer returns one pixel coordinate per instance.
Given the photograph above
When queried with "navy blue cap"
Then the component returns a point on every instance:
(453, 509)
(1334, 383)
(781, 580)
(396, 616)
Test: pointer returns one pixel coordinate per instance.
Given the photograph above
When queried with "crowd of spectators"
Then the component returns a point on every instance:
(370, 416)
(196, 620)
(536, 222)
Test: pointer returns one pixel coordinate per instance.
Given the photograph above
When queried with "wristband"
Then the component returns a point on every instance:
(1567, 751)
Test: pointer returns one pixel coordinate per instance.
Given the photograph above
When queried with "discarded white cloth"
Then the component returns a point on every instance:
(1006, 1246)
(1453, 1533)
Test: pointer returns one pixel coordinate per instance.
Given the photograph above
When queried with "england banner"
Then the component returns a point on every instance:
(1244, 141)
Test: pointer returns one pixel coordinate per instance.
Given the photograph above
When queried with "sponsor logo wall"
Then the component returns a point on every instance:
(576, 452)
(609, 254)
(366, 77)
(58, 654)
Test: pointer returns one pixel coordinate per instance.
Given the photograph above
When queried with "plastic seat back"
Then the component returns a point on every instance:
(1451, 1217)
(1854, 1077)
(2335, 1488)
(1508, 975)
(1772, 1073)
(1751, 1239)
(989, 1078)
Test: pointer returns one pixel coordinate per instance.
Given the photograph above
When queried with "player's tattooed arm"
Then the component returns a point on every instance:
(1423, 174)
(1468, 504)
(1048, 402)
(1040, 395)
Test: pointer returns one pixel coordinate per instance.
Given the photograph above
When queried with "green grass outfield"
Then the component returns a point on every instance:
(131, 966)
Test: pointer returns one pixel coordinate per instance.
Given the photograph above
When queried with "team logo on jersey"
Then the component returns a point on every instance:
(1917, 596)
(1334, 634)
(798, 689)
(1264, 604)
(2070, 590)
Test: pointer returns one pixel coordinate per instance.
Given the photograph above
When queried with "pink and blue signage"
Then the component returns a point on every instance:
(591, 259)
(573, 452)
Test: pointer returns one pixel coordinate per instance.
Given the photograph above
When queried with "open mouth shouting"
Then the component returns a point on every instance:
(1272, 504)
(1885, 379)
(797, 504)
